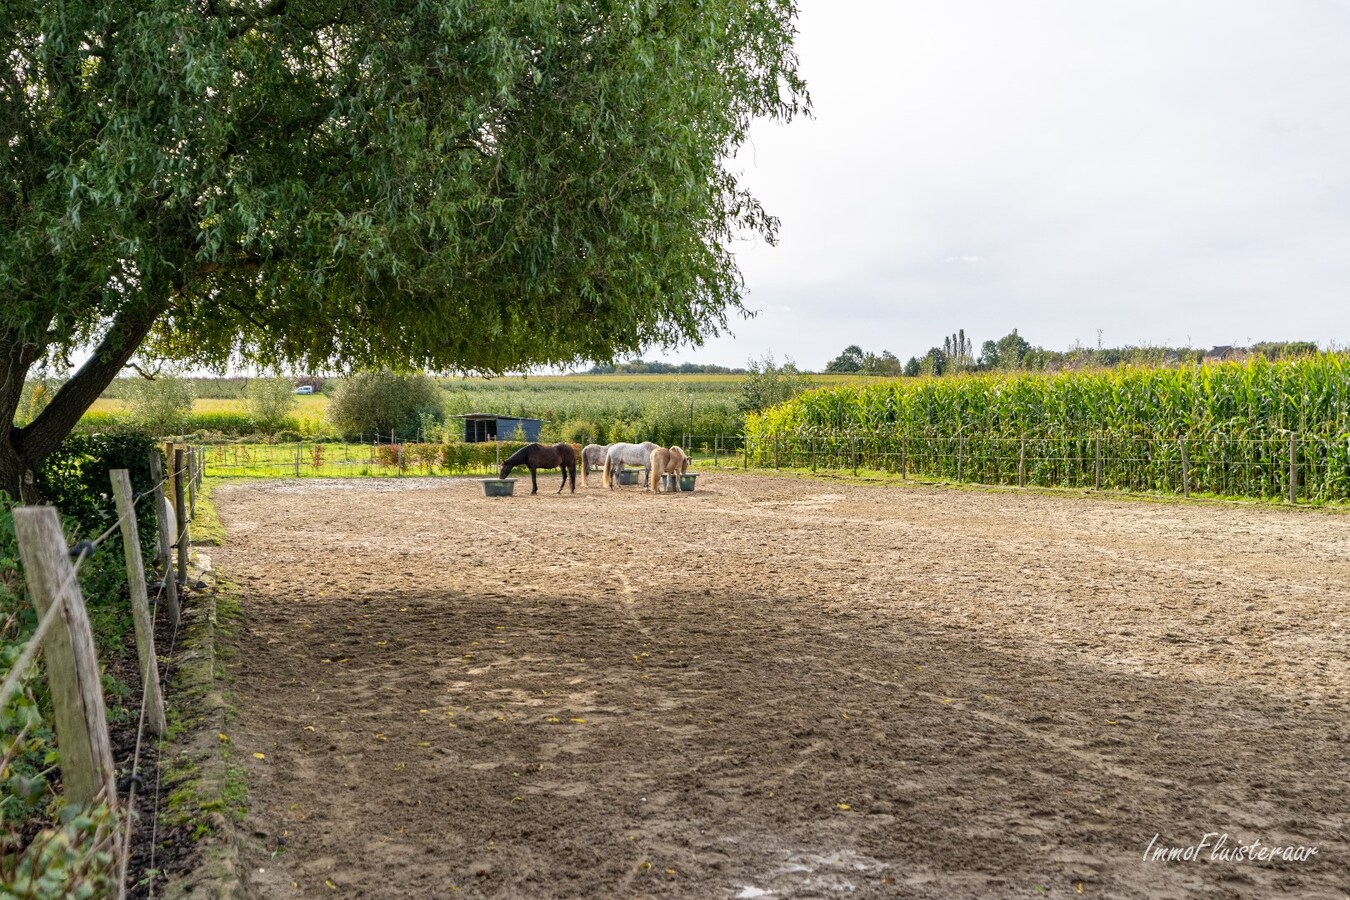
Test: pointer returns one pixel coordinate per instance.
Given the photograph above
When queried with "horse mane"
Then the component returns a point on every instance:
(680, 460)
(518, 457)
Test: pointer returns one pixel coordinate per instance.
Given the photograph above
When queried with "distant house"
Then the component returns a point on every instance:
(479, 427)
(1225, 353)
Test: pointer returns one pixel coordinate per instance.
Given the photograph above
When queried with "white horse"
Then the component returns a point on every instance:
(591, 455)
(632, 454)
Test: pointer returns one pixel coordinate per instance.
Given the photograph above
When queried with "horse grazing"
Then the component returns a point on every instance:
(632, 454)
(667, 461)
(538, 456)
(591, 455)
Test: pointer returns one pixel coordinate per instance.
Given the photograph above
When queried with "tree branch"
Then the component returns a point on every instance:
(40, 437)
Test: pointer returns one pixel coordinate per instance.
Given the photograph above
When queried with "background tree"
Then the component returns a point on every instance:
(384, 403)
(851, 360)
(768, 384)
(885, 364)
(162, 405)
(270, 402)
(329, 185)
(934, 362)
(957, 351)
(1012, 348)
(988, 356)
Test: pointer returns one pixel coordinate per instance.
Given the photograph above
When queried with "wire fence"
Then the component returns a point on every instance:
(1288, 465)
(1284, 465)
(54, 583)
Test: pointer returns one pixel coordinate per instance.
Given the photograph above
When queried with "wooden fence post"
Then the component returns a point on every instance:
(72, 665)
(960, 454)
(183, 539)
(1185, 469)
(904, 462)
(166, 530)
(1293, 468)
(140, 600)
(853, 450)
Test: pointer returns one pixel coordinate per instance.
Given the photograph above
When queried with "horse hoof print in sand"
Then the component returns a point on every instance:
(498, 487)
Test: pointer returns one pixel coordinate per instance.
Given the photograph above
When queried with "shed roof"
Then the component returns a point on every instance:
(495, 416)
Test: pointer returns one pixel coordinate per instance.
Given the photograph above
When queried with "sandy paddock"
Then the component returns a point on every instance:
(780, 687)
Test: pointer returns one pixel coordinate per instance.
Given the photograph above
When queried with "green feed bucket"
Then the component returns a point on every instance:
(687, 481)
(498, 487)
(628, 476)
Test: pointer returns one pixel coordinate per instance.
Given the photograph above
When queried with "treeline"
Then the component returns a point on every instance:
(1013, 353)
(642, 367)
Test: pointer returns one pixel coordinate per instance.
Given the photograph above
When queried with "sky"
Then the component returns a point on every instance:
(1166, 173)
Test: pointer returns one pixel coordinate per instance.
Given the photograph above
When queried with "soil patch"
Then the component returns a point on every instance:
(785, 688)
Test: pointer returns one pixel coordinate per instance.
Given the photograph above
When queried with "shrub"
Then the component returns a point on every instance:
(385, 403)
(270, 402)
(769, 384)
(162, 405)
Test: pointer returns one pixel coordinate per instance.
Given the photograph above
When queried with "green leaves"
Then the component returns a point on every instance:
(437, 184)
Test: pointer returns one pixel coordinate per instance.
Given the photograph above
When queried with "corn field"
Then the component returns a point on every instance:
(1259, 429)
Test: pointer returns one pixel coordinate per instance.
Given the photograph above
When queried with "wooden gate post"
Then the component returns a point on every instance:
(72, 665)
(165, 539)
(140, 600)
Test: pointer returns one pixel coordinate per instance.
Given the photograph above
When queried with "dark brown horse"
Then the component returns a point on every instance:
(538, 456)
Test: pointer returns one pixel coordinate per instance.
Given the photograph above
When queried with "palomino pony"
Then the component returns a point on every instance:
(617, 455)
(537, 456)
(668, 461)
(592, 455)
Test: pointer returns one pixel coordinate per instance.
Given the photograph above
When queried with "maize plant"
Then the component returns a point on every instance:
(1255, 429)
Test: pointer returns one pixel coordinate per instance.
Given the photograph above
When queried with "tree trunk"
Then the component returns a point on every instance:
(24, 450)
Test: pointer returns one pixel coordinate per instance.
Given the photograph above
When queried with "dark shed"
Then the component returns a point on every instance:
(479, 427)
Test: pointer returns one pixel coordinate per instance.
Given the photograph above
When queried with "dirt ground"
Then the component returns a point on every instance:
(782, 687)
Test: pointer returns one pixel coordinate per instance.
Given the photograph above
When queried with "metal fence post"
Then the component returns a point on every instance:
(1185, 469)
(1293, 468)
(1022, 463)
(1097, 477)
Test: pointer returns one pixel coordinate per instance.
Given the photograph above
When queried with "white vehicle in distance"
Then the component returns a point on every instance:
(305, 389)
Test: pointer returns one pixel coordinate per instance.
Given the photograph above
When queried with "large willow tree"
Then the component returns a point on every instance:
(446, 184)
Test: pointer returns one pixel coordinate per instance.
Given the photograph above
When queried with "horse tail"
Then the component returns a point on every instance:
(605, 477)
